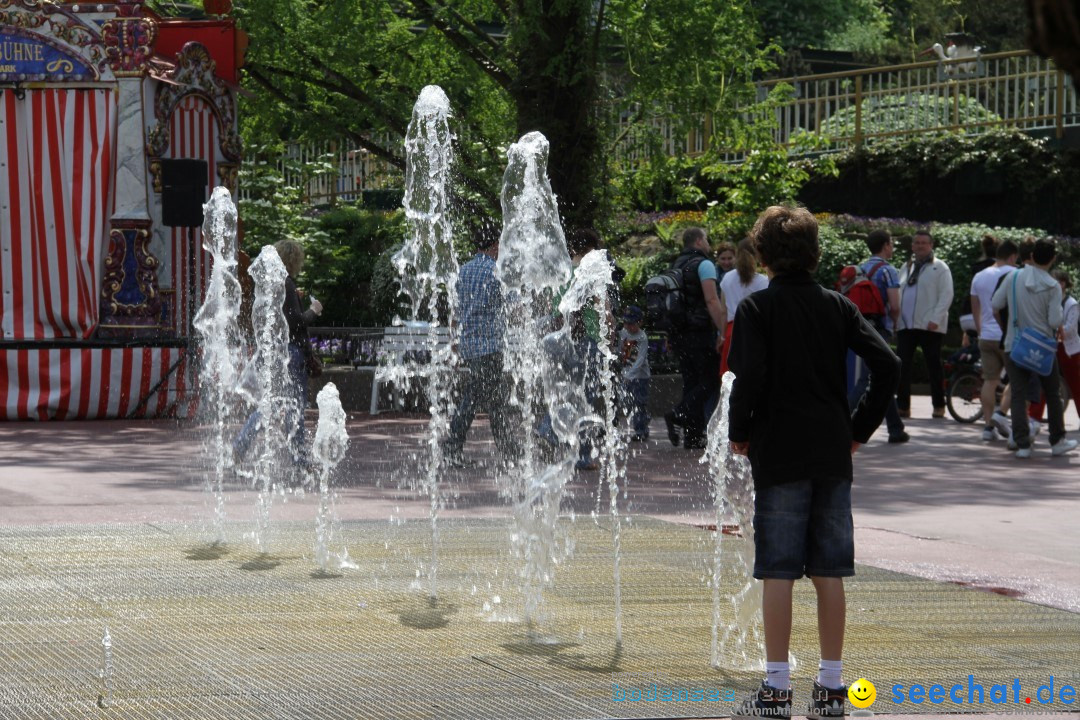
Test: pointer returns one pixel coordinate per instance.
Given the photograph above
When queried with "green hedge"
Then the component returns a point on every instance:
(1004, 177)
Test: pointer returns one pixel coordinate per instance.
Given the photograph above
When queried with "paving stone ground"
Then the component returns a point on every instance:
(968, 564)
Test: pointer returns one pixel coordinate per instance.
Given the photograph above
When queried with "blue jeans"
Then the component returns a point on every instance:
(892, 414)
(804, 528)
(298, 378)
(636, 394)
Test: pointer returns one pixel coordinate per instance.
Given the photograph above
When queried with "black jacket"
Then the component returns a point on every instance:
(789, 356)
(297, 318)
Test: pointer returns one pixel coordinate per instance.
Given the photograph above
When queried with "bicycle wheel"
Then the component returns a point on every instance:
(964, 400)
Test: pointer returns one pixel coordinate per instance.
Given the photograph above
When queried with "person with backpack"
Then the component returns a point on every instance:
(1068, 349)
(684, 300)
(1033, 299)
(926, 292)
(875, 289)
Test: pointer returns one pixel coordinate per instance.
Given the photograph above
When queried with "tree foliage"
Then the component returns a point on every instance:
(331, 68)
(891, 30)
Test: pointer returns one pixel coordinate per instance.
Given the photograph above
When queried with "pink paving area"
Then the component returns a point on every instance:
(945, 506)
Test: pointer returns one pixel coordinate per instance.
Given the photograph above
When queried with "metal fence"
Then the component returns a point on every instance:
(969, 95)
(349, 170)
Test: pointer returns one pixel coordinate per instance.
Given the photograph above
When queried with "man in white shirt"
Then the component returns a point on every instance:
(926, 291)
(990, 347)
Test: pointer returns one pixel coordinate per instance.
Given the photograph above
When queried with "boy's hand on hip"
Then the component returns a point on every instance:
(740, 448)
(932, 327)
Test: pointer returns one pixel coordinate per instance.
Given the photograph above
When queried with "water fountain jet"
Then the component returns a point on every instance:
(219, 341)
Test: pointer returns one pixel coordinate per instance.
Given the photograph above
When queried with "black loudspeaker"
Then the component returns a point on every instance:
(183, 192)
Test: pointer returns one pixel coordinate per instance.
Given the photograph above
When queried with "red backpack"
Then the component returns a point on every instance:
(858, 287)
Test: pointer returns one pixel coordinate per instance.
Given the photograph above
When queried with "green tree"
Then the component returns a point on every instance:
(332, 68)
(820, 23)
(997, 25)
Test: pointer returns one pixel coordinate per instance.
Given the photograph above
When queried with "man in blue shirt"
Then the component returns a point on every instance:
(696, 342)
(480, 345)
(887, 280)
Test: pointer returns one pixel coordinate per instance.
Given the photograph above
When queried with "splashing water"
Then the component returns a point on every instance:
(331, 442)
(532, 265)
(532, 247)
(738, 644)
(107, 670)
(219, 340)
(276, 400)
(427, 270)
(592, 283)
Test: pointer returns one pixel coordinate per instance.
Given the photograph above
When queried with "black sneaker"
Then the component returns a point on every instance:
(695, 442)
(902, 437)
(827, 702)
(765, 702)
(672, 427)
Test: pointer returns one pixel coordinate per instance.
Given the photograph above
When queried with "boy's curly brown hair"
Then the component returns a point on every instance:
(786, 239)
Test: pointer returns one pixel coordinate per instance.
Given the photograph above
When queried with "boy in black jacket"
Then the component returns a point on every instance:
(789, 414)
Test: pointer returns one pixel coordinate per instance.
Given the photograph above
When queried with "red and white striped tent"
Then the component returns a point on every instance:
(94, 289)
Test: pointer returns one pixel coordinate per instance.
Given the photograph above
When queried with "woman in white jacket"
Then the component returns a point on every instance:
(926, 292)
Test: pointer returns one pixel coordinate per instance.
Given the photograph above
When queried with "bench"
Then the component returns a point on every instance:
(398, 343)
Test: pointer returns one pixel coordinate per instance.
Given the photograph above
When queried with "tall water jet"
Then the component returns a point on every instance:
(739, 643)
(594, 275)
(219, 342)
(331, 442)
(533, 265)
(427, 270)
(276, 403)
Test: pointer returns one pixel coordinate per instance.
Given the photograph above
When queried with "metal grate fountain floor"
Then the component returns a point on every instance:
(208, 632)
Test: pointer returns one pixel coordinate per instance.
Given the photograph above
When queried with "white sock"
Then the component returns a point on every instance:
(778, 675)
(830, 673)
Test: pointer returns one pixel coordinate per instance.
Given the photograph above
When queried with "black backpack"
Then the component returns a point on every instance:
(665, 300)
(671, 304)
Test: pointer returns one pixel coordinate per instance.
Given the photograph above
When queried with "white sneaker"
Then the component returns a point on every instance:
(1035, 427)
(988, 435)
(1063, 446)
(1023, 453)
(1011, 444)
(1001, 421)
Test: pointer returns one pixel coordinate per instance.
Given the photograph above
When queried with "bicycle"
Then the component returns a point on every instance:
(963, 391)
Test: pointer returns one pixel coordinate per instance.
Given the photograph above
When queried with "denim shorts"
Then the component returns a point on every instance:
(804, 528)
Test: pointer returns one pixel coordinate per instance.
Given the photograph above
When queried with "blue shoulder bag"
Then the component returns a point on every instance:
(1031, 350)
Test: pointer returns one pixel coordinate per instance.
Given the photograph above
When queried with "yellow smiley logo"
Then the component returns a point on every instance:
(862, 693)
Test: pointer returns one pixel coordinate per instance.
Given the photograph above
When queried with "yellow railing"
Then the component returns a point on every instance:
(972, 95)
(969, 95)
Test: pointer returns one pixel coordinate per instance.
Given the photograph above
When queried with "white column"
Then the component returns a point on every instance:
(131, 170)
